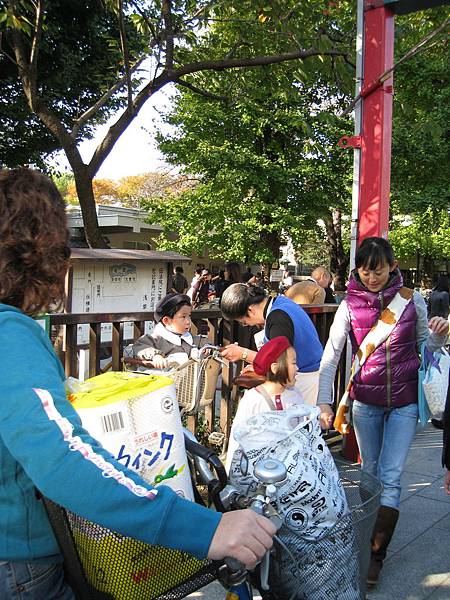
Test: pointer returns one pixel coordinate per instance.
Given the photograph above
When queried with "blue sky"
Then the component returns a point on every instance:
(135, 151)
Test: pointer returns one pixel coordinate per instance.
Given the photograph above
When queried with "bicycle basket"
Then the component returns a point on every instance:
(195, 383)
(103, 565)
(334, 566)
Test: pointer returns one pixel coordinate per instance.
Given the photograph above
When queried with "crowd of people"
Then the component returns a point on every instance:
(42, 439)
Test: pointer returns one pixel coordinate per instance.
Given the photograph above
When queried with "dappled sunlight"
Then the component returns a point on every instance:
(415, 487)
(437, 579)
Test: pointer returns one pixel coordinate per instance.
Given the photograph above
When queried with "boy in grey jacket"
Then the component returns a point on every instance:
(171, 341)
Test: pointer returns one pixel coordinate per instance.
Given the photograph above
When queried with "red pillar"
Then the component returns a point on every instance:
(375, 140)
(376, 131)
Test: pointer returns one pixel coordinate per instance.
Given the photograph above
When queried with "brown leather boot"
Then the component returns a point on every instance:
(381, 536)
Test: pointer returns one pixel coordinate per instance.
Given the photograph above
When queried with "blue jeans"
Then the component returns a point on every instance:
(384, 439)
(33, 581)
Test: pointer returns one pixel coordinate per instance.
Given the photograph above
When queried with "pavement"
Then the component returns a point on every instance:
(417, 566)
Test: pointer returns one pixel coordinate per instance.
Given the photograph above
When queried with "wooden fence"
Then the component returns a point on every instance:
(65, 330)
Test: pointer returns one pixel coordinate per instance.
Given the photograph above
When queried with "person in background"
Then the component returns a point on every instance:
(309, 291)
(201, 295)
(200, 291)
(286, 281)
(306, 292)
(250, 306)
(323, 278)
(384, 391)
(246, 276)
(43, 445)
(438, 306)
(171, 341)
(179, 283)
(257, 279)
(439, 300)
(195, 279)
(233, 273)
(219, 284)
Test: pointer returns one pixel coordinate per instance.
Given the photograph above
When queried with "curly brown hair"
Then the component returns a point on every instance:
(34, 249)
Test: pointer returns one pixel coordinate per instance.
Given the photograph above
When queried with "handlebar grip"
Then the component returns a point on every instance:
(234, 565)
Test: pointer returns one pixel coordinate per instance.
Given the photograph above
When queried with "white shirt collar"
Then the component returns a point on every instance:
(173, 338)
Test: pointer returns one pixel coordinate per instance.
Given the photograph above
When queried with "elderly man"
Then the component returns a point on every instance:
(314, 290)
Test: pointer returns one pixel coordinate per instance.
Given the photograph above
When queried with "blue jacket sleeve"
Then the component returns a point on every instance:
(44, 435)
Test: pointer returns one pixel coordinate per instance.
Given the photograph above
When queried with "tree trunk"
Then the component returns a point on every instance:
(427, 272)
(85, 192)
(339, 260)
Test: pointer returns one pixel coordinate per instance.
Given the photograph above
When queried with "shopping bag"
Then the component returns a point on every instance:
(424, 411)
(322, 558)
(435, 382)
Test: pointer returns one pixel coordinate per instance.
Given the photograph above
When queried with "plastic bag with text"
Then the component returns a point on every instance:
(435, 382)
(311, 502)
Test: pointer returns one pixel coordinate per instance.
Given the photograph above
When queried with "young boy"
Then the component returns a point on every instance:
(171, 340)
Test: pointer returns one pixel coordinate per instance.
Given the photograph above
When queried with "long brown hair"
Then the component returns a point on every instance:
(34, 249)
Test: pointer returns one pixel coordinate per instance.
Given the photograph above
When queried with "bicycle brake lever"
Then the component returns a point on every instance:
(264, 571)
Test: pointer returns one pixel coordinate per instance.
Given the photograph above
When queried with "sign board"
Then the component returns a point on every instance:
(276, 274)
(114, 286)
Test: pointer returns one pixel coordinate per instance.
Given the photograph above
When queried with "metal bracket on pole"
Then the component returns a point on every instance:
(347, 141)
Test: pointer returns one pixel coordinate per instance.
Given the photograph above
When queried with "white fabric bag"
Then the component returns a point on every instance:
(311, 503)
(435, 382)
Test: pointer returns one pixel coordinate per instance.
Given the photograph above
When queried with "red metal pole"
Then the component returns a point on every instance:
(375, 140)
(376, 132)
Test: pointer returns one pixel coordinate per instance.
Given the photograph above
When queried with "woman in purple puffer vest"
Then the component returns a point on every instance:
(384, 392)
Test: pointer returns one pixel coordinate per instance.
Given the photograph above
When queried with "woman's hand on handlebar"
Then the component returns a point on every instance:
(243, 535)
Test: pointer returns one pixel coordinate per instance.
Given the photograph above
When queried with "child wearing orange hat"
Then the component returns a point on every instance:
(276, 362)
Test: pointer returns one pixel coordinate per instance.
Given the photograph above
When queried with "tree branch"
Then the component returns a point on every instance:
(257, 61)
(166, 11)
(82, 120)
(37, 106)
(116, 130)
(8, 56)
(149, 24)
(199, 91)
(126, 56)
(36, 42)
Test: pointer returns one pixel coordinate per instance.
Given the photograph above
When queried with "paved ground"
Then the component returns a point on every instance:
(418, 562)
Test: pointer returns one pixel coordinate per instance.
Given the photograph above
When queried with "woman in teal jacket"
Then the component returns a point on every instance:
(42, 443)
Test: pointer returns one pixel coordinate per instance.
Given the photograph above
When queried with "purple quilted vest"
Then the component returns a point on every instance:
(389, 376)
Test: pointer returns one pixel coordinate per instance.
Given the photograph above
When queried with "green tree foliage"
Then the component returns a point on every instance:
(266, 158)
(421, 133)
(76, 61)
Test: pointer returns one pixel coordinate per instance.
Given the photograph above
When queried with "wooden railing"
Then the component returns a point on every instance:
(64, 328)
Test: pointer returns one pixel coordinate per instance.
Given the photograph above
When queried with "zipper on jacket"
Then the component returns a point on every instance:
(388, 360)
(388, 373)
